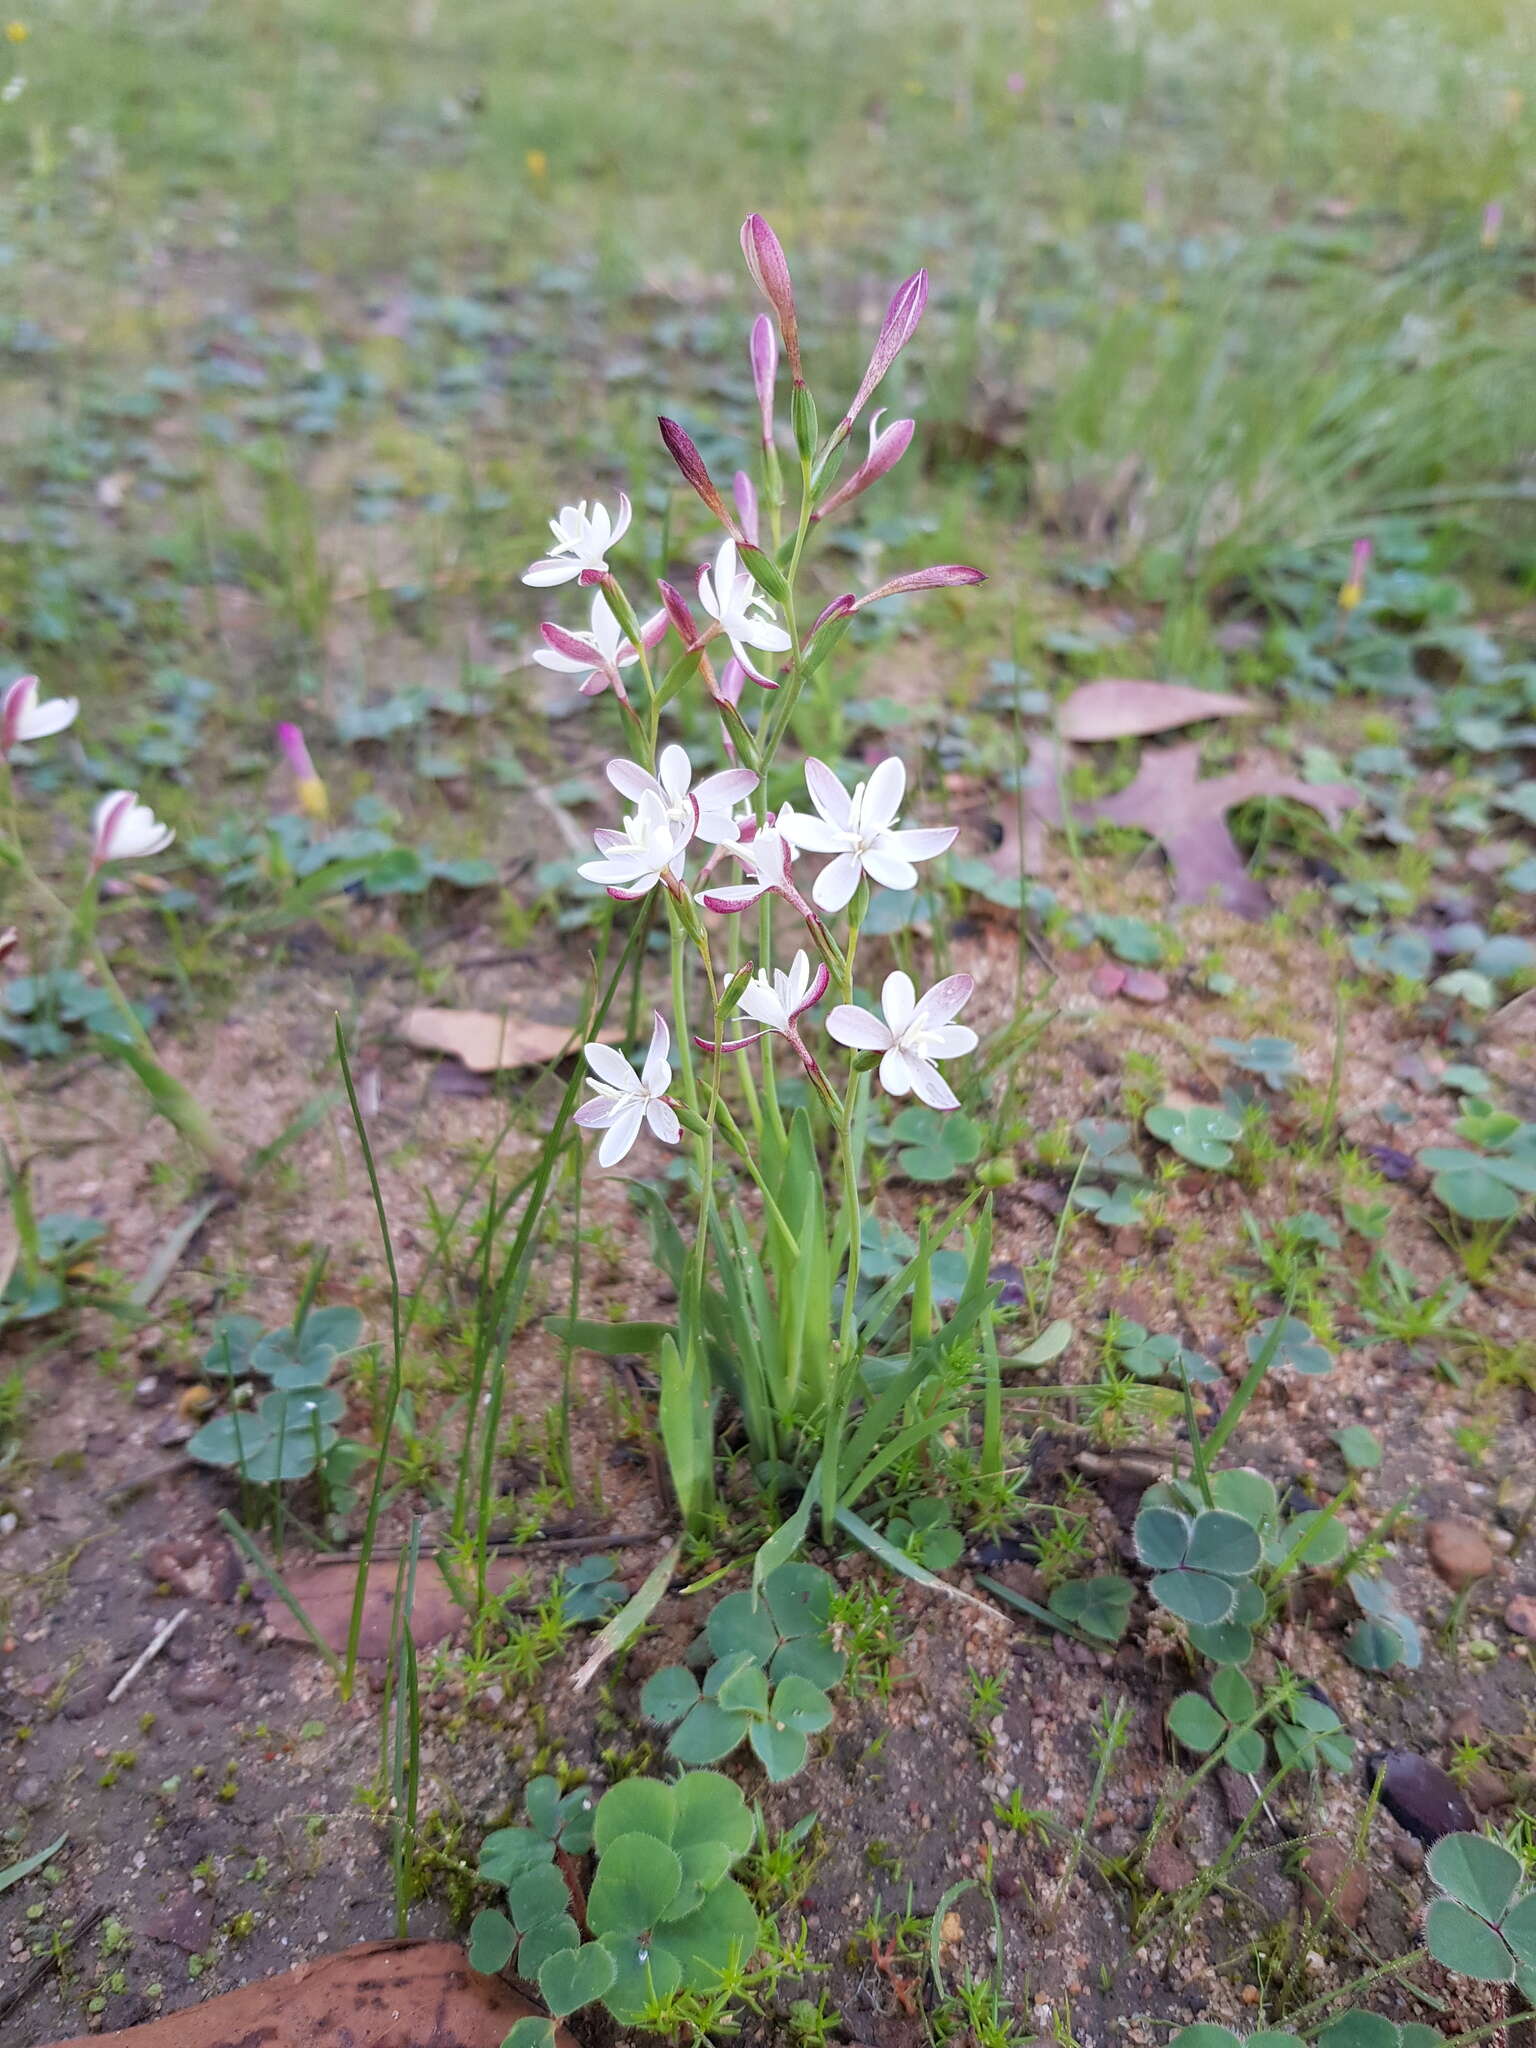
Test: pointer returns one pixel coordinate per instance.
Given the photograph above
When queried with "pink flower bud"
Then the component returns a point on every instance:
(688, 459)
(885, 451)
(290, 738)
(1353, 589)
(677, 611)
(763, 352)
(732, 681)
(839, 608)
(770, 273)
(901, 318)
(745, 494)
(945, 576)
(1493, 222)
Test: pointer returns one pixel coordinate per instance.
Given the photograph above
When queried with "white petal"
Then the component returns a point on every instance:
(898, 999)
(631, 780)
(895, 1073)
(928, 1084)
(814, 835)
(655, 1075)
(563, 664)
(674, 773)
(887, 870)
(729, 787)
(944, 1000)
(738, 896)
(621, 524)
(622, 1132)
(949, 1041)
(920, 842)
(610, 1065)
(850, 1025)
(828, 794)
(883, 794)
(662, 1118)
(763, 633)
(597, 1114)
(834, 886)
(546, 574)
(764, 1005)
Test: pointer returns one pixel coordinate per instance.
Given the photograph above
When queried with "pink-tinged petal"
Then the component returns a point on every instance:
(885, 452)
(547, 575)
(854, 1027)
(739, 649)
(745, 495)
(896, 330)
(654, 629)
(656, 1072)
(839, 608)
(606, 840)
(827, 794)
(621, 1133)
(770, 273)
(576, 647)
(920, 842)
(896, 1073)
(630, 780)
(729, 1044)
(737, 896)
(728, 787)
(816, 991)
(763, 353)
(597, 1114)
(950, 1041)
(898, 999)
(662, 1118)
(564, 664)
(929, 1085)
(688, 459)
(834, 886)
(883, 794)
(945, 999)
(611, 1066)
(888, 869)
(674, 772)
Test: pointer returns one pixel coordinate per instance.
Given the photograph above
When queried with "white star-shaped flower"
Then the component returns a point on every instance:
(860, 831)
(712, 803)
(624, 1100)
(582, 541)
(740, 610)
(650, 849)
(913, 1033)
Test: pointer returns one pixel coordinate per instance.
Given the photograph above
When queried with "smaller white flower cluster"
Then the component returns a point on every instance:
(121, 827)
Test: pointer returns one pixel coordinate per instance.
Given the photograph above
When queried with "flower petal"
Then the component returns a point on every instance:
(662, 1118)
(738, 896)
(898, 999)
(622, 1132)
(929, 1085)
(656, 1073)
(949, 1041)
(944, 1000)
(597, 1114)
(920, 842)
(836, 883)
(674, 772)
(828, 794)
(631, 780)
(883, 794)
(888, 869)
(895, 1072)
(851, 1026)
(547, 574)
(814, 835)
(610, 1065)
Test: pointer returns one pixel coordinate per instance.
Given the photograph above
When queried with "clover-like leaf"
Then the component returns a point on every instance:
(1294, 1345)
(1099, 1606)
(1161, 1535)
(1483, 1875)
(574, 1977)
(545, 1940)
(1204, 1137)
(666, 1696)
(935, 1146)
(508, 1853)
(539, 1894)
(1224, 1543)
(637, 1879)
(1273, 1060)
(492, 1942)
(1464, 1943)
(636, 1806)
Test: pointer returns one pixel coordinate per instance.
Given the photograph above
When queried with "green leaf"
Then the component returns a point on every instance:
(1223, 1542)
(738, 1684)
(1196, 1723)
(545, 1940)
(665, 1697)
(611, 1340)
(509, 1853)
(1099, 1606)
(1204, 2034)
(1245, 1752)
(533, 2032)
(637, 1879)
(1473, 1192)
(1518, 1928)
(540, 1894)
(1194, 1596)
(574, 1977)
(1295, 1346)
(1359, 2030)
(707, 1734)
(13, 1873)
(1223, 1642)
(798, 1704)
(1242, 1491)
(1234, 1695)
(710, 1809)
(781, 1750)
(1481, 1874)
(703, 1941)
(740, 1622)
(1360, 1447)
(492, 1940)
(642, 1971)
(1161, 1536)
(1463, 1943)
(637, 1806)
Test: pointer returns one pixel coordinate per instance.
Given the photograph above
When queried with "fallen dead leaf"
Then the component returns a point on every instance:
(1185, 813)
(1115, 709)
(487, 1041)
(325, 1591)
(381, 1994)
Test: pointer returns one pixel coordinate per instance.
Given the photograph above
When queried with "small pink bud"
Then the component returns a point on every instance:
(945, 576)
(745, 494)
(313, 800)
(839, 608)
(770, 273)
(901, 318)
(1493, 222)
(688, 459)
(763, 352)
(886, 448)
(1353, 589)
(677, 611)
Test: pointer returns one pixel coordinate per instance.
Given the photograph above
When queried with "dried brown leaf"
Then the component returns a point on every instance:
(325, 1591)
(1116, 709)
(487, 1041)
(381, 1994)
